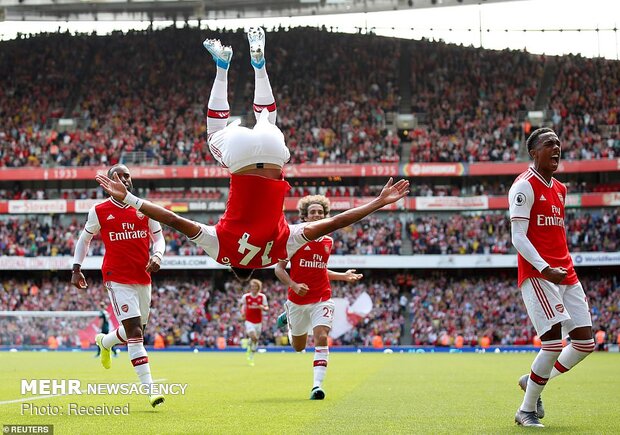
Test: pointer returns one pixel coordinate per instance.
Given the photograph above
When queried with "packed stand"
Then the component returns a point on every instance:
(585, 109)
(444, 307)
(450, 234)
(470, 99)
(193, 312)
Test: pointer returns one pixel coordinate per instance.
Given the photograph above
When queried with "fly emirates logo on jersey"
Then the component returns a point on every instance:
(556, 220)
(316, 262)
(129, 233)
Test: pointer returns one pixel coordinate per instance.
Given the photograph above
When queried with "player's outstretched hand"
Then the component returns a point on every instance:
(154, 264)
(78, 280)
(114, 187)
(554, 274)
(351, 276)
(300, 289)
(392, 192)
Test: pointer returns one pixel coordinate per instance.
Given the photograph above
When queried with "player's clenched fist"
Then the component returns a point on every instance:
(78, 280)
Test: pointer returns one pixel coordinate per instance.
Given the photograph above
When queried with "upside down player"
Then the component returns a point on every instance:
(252, 305)
(127, 267)
(309, 301)
(253, 232)
(552, 293)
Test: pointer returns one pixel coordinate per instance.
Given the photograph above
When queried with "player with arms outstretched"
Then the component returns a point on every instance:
(252, 305)
(127, 267)
(309, 303)
(253, 232)
(553, 295)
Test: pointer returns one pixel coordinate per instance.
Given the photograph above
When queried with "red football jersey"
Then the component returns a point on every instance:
(253, 311)
(542, 203)
(309, 266)
(253, 233)
(125, 234)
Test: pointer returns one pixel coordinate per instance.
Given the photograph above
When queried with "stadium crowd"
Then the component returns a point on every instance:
(193, 312)
(589, 230)
(332, 109)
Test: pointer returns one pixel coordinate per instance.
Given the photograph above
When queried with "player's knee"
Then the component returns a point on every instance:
(134, 331)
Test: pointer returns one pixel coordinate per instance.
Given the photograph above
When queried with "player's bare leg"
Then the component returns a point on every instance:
(321, 357)
(263, 94)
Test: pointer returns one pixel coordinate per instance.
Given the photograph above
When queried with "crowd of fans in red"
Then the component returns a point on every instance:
(589, 230)
(193, 312)
(332, 108)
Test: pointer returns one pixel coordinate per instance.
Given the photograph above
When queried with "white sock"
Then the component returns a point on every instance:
(572, 355)
(115, 337)
(140, 360)
(541, 368)
(321, 356)
(263, 95)
(218, 108)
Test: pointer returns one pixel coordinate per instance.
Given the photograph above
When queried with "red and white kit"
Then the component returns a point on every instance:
(540, 205)
(127, 235)
(315, 308)
(253, 311)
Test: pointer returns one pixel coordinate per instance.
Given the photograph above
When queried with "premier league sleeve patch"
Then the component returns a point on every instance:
(519, 199)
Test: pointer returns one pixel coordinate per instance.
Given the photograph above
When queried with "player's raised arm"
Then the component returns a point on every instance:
(391, 193)
(119, 192)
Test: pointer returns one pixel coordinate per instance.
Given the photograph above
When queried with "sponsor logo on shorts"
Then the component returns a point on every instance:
(125, 308)
(560, 308)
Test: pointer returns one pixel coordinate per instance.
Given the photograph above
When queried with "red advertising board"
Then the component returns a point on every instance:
(311, 171)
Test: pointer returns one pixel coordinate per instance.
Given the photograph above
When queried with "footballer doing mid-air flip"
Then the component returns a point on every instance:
(253, 232)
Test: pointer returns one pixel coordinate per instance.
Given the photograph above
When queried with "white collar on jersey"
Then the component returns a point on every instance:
(118, 203)
(540, 177)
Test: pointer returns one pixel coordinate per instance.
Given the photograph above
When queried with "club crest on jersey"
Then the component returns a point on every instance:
(561, 197)
(326, 249)
(520, 198)
(139, 215)
(560, 308)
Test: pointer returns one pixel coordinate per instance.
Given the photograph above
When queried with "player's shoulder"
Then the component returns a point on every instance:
(522, 184)
(523, 178)
(101, 205)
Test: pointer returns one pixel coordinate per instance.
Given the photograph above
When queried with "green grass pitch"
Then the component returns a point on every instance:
(366, 393)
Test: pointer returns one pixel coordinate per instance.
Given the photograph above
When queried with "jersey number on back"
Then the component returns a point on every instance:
(253, 250)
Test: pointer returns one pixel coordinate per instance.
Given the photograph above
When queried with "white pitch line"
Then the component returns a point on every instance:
(49, 396)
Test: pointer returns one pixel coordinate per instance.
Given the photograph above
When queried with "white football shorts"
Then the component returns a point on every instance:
(236, 147)
(548, 303)
(253, 327)
(304, 318)
(130, 300)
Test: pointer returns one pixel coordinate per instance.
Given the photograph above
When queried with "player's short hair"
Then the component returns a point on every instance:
(305, 202)
(532, 141)
(242, 275)
(258, 282)
(113, 169)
